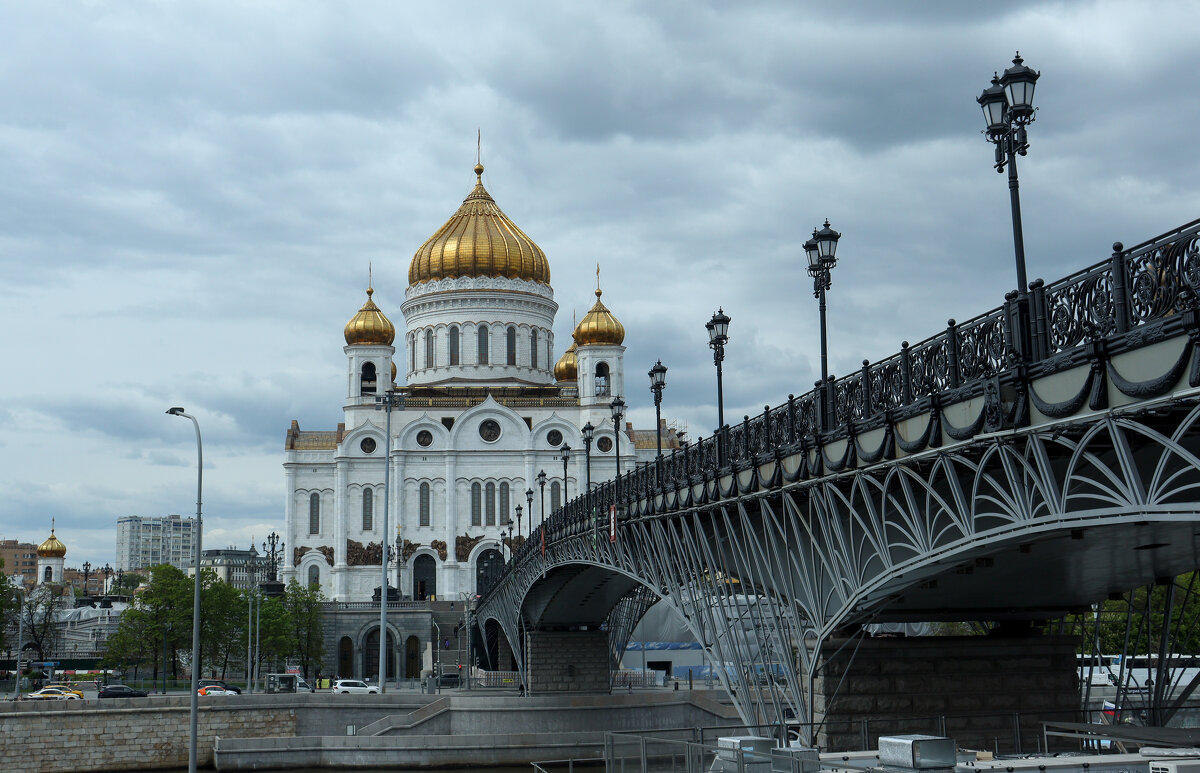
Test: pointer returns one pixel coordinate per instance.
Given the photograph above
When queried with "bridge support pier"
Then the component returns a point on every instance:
(568, 661)
(983, 686)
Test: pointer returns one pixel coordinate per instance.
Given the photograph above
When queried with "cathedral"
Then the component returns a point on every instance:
(484, 410)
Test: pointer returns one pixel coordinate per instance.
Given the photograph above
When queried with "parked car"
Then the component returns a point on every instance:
(354, 686)
(214, 689)
(68, 688)
(51, 694)
(218, 683)
(449, 679)
(120, 691)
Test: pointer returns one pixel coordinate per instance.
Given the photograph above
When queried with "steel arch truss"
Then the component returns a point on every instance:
(1024, 525)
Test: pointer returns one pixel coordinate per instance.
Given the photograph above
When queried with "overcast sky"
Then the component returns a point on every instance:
(190, 195)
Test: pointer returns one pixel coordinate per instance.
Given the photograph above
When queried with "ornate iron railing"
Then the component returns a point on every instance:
(1154, 282)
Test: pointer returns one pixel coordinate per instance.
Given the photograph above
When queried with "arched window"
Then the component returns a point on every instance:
(48, 574)
(412, 352)
(368, 509)
(366, 381)
(429, 348)
(490, 503)
(314, 576)
(314, 514)
(476, 515)
(424, 505)
(504, 516)
(482, 335)
(511, 341)
(555, 496)
(487, 568)
(601, 379)
(424, 577)
(533, 348)
(454, 345)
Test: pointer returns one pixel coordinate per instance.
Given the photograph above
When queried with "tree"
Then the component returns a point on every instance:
(40, 615)
(158, 618)
(303, 607)
(9, 604)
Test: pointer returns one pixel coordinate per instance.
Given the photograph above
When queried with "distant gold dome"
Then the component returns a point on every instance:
(52, 547)
(370, 326)
(599, 327)
(479, 240)
(567, 367)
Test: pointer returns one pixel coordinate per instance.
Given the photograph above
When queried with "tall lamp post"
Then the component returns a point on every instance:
(565, 450)
(388, 401)
(20, 596)
(1007, 109)
(718, 336)
(518, 508)
(617, 406)
(658, 380)
(821, 251)
(541, 479)
(177, 411)
(87, 572)
(529, 508)
(589, 432)
(107, 571)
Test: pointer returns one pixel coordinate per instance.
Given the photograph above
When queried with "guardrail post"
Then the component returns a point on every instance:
(906, 390)
(952, 374)
(747, 451)
(766, 444)
(1041, 325)
(866, 389)
(1120, 288)
(1016, 720)
(791, 419)
(819, 407)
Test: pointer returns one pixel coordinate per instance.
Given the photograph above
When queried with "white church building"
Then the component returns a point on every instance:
(486, 408)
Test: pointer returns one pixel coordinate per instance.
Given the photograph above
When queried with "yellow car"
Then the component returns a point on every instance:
(68, 688)
(51, 694)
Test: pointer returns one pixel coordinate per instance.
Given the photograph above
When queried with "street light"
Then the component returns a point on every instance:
(541, 479)
(20, 595)
(1007, 109)
(565, 450)
(177, 411)
(529, 509)
(617, 406)
(821, 251)
(589, 432)
(658, 380)
(718, 336)
(386, 401)
(107, 571)
(518, 521)
(87, 572)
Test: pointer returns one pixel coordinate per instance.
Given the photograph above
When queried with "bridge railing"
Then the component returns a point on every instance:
(1154, 281)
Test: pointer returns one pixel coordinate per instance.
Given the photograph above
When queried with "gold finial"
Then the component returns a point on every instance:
(479, 155)
(370, 278)
(597, 280)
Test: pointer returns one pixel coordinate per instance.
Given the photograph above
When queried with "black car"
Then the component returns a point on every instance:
(217, 683)
(121, 691)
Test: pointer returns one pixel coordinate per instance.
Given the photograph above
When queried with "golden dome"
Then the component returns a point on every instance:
(369, 325)
(52, 547)
(479, 240)
(599, 327)
(567, 367)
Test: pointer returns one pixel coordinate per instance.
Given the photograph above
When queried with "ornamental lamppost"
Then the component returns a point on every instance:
(658, 380)
(718, 336)
(107, 572)
(519, 534)
(529, 508)
(1007, 109)
(541, 479)
(195, 711)
(273, 547)
(388, 401)
(618, 417)
(565, 450)
(821, 251)
(87, 572)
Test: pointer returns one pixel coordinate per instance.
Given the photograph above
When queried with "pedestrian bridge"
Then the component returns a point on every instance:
(1017, 466)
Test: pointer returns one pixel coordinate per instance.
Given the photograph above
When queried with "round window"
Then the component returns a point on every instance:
(604, 444)
(489, 430)
(424, 438)
(554, 438)
(367, 445)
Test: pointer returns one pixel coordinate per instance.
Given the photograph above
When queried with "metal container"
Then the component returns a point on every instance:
(919, 752)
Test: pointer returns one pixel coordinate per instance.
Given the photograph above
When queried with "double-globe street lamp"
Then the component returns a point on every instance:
(658, 380)
(718, 336)
(1007, 109)
(821, 251)
(177, 411)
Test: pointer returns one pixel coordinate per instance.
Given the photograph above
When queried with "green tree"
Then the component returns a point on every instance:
(40, 616)
(9, 604)
(222, 625)
(304, 607)
(158, 618)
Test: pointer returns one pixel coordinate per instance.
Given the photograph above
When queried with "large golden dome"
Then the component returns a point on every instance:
(479, 240)
(567, 367)
(599, 327)
(52, 547)
(370, 325)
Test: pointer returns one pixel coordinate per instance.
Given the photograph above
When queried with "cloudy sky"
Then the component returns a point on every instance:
(190, 195)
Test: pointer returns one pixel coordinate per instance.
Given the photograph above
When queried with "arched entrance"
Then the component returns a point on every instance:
(345, 657)
(487, 566)
(412, 658)
(424, 578)
(371, 656)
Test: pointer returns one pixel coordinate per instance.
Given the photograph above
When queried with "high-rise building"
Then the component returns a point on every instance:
(149, 541)
(20, 559)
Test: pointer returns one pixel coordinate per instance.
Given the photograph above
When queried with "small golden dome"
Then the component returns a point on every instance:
(52, 547)
(567, 367)
(479, 240)
(393, 373)
(599, 327)
(369, 325)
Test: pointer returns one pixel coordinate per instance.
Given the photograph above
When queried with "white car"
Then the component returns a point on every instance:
(354, 686)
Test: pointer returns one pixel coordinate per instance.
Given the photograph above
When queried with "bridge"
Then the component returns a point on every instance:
(1015, 467)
